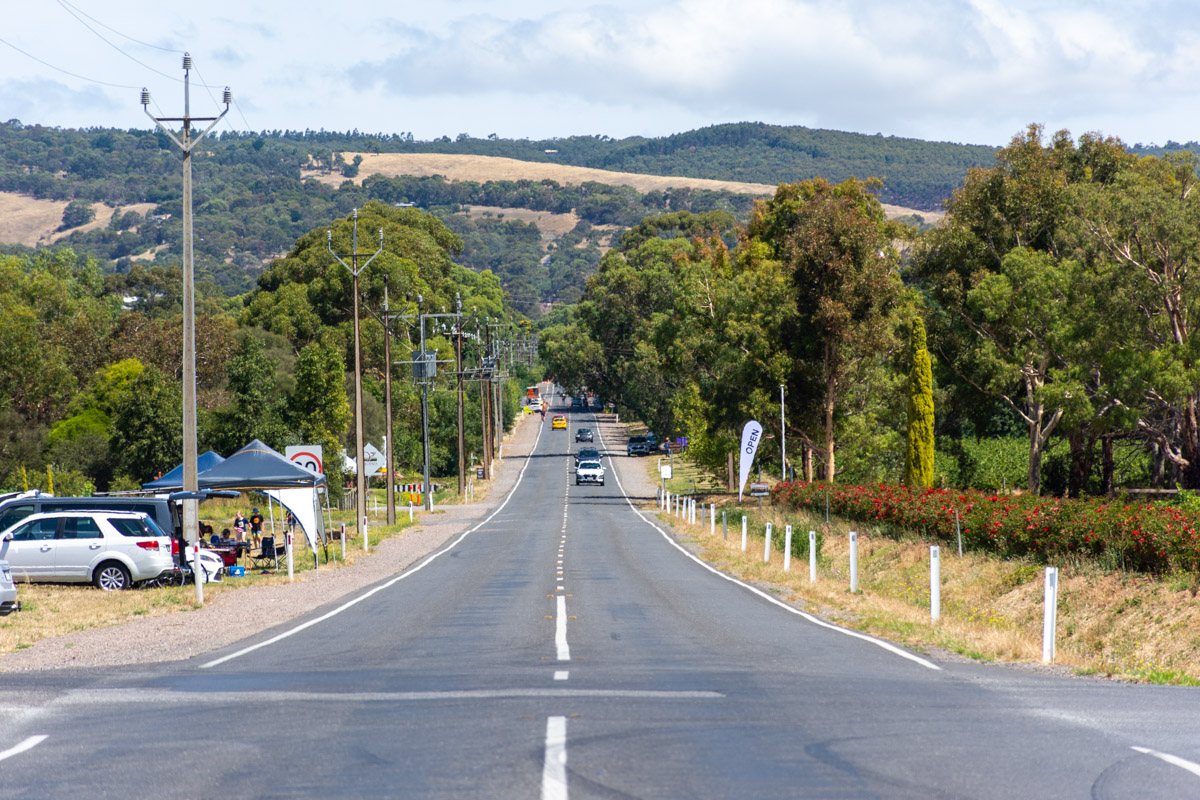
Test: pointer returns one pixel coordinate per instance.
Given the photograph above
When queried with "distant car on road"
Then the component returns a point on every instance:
(111, 549)
(589, 472)
(8, 591)
(587, 454)
(583, 435)
(637, 446)
(559, 421)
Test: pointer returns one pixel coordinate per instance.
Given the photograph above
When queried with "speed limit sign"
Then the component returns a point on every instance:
(307, 456)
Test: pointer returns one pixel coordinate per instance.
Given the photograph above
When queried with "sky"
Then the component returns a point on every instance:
(974, 72)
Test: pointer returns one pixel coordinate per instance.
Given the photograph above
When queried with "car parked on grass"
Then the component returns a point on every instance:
(584, 435)
(589, 472)
(8, 591)
(111, 549)
(637, 446)
(586, 454)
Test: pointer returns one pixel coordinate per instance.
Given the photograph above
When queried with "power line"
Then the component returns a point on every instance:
(64, 3)
(63, 71)
(214, 99)
(99, 36)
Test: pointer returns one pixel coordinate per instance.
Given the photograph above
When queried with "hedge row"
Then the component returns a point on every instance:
(1149, 537)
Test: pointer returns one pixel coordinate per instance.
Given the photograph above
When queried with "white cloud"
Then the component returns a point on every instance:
(964, 70)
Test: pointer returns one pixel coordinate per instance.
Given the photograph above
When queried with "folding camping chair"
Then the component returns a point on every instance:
(268, 554)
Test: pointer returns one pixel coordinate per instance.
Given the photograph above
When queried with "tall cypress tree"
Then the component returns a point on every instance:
(918, 458)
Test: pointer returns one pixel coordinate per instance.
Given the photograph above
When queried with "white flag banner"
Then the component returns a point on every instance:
(751, 435)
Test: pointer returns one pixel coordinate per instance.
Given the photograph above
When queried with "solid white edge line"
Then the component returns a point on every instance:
(560, 629)
(429, 560)
(554, 768)
(1182, 763)
(28, 744)
(891, 648)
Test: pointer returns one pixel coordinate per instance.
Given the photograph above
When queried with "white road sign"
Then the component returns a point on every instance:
(306, 455)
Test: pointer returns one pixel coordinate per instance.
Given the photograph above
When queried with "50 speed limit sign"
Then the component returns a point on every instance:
(307, 456)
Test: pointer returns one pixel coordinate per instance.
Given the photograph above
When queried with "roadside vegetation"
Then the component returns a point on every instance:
(1111, 622)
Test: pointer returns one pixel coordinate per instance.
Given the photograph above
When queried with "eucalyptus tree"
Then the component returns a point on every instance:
(836, 317)
(1011, 283)
(1147, 221)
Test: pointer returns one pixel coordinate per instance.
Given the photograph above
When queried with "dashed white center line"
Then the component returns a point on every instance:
(561, 674)
(34, 741)
(560, 630)
(554, 770)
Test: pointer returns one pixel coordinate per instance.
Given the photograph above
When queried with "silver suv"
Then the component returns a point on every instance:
(111, 549)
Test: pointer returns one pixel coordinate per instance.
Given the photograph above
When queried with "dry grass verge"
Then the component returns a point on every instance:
(51, 610)
(1126, 626)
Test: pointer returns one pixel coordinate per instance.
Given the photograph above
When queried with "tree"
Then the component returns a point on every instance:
(836, 245)
(320, 407)
(1148, 223)
(77, 212)
(256, 407)
(1010, 280)
(148, 430)
(918, 458)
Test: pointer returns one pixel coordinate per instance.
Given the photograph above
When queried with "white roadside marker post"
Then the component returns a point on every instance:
(743, 533)
(767, 545)
(712, 519)
(724, 526)
(410, 511)
(197, 575)
(935, 583)
(787, 548)
(958, 530)
(812, 556)
(853, 562)
(1049, 615)
(290, 560)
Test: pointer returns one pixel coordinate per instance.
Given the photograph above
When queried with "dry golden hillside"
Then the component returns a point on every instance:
(491, 168)
(29, 221)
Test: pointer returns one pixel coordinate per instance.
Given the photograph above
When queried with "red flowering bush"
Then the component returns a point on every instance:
(1148, 537)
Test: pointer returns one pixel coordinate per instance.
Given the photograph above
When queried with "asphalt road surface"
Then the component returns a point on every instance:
(568, 648)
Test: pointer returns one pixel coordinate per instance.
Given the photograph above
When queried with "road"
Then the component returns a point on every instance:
(567, 647)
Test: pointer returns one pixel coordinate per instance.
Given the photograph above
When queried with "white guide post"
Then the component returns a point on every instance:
(198, 574)
(812, 556)
(1049, 615)
(935, 583)
(787, 548)
(767, 545)
(290, 560)
(743, 534)
(958, 530)
(712, 519)
(853, 562)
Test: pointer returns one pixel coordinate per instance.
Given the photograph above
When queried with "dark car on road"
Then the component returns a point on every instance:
(637, 446)
(583, 435)
(587, 454)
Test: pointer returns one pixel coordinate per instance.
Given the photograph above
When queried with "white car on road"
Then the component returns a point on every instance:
(589, 472)
(111, 549)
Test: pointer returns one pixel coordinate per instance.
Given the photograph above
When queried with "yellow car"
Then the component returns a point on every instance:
(559, 421)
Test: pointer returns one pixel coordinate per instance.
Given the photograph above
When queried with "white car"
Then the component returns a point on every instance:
(111, 549)
(589, 472)
(8, 591)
